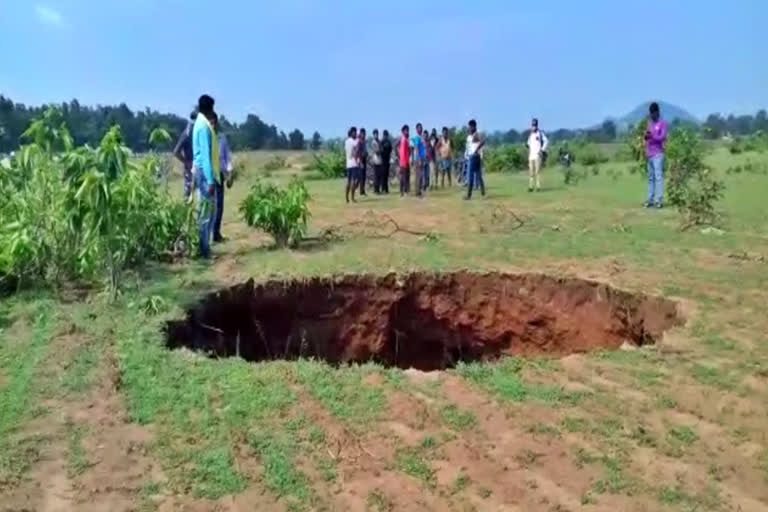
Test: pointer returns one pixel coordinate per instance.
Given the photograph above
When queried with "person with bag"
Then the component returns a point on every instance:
(537, 154)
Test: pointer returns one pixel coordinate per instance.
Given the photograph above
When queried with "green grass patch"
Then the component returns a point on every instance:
(714, 377)
(343, 392)
(214, 475)
(281, 476)
(77, 460)
(78, 377)
(199, 406)
(19, 363)
(614, 480)
(460, 483)
(684, 435)
(412, 462)
(457, 419)
(572, 424)
(503, 379)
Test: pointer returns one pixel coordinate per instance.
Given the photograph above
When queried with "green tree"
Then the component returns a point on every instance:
(296, 139)
(317, 141)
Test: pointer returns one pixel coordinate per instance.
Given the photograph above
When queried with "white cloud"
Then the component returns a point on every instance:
(49, 16)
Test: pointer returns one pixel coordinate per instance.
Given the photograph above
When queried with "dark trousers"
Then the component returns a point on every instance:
(363, 169)
(405, 180)
(219, 211)
(380, 179)
(475, 175)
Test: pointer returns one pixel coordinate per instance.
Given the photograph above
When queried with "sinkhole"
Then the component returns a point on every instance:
(419, 320)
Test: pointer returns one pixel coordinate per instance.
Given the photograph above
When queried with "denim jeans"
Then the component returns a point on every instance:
(206, 212)
(656, 179)
(475, 175)
(219, 212)
(424, 177)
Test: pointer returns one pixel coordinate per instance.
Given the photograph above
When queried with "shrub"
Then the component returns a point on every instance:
(635, 144)
(590, 155)
(83, 213)
(330, 165)
(281, 212)
(691, 185)
(736, 147)
(505, 158)
(275, 163)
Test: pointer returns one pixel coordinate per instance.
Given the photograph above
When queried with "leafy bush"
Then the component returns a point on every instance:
(275, 163)
(82, 213)
(691, 186)
(590, 155)
(281, 212)
(635, 144)
(736, 147)
(505, 158)
(332, 164)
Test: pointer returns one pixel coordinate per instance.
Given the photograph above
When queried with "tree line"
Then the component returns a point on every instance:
(87, 125)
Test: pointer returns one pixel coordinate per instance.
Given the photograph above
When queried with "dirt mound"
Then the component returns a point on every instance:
(424, 321)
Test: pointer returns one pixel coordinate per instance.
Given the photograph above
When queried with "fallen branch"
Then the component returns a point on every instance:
(370, 225)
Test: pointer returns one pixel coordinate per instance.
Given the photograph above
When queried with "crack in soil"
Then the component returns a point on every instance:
(419, 320)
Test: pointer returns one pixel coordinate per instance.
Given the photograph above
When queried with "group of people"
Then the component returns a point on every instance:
(430, 158)
(207, 160)
(204, 151)
(424, 153)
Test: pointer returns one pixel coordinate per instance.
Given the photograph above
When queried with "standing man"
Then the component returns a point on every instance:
(376, 159)
(386, 158)
(350, 151)
(183, 153)
(404, 154)
(430, 144)
(362, 159)
(445, 152)
(475, 144)
(655, 140)
(225, 166)
(419, 158)
(205, 148)
(537, 146)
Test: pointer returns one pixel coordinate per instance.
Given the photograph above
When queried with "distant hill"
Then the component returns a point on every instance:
(668, 111)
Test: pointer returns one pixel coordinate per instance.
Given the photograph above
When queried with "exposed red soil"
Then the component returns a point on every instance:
(424, 321)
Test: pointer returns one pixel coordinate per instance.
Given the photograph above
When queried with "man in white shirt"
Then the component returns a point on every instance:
(537, 146)
(474, 149)
(351, 146)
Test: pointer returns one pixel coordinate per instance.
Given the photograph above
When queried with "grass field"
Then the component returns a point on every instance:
(96, 414)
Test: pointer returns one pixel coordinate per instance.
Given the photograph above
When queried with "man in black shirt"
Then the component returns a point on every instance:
(386, 158)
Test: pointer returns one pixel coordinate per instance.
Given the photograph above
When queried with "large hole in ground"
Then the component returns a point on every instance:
(423, 321)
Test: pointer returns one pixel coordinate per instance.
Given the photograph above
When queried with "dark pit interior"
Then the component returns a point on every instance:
(422, 321)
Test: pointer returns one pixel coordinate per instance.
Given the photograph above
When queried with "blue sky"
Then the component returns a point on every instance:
(326, 64)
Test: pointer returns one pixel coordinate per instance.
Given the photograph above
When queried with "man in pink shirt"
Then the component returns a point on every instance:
(655, 139)
(404, 154)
